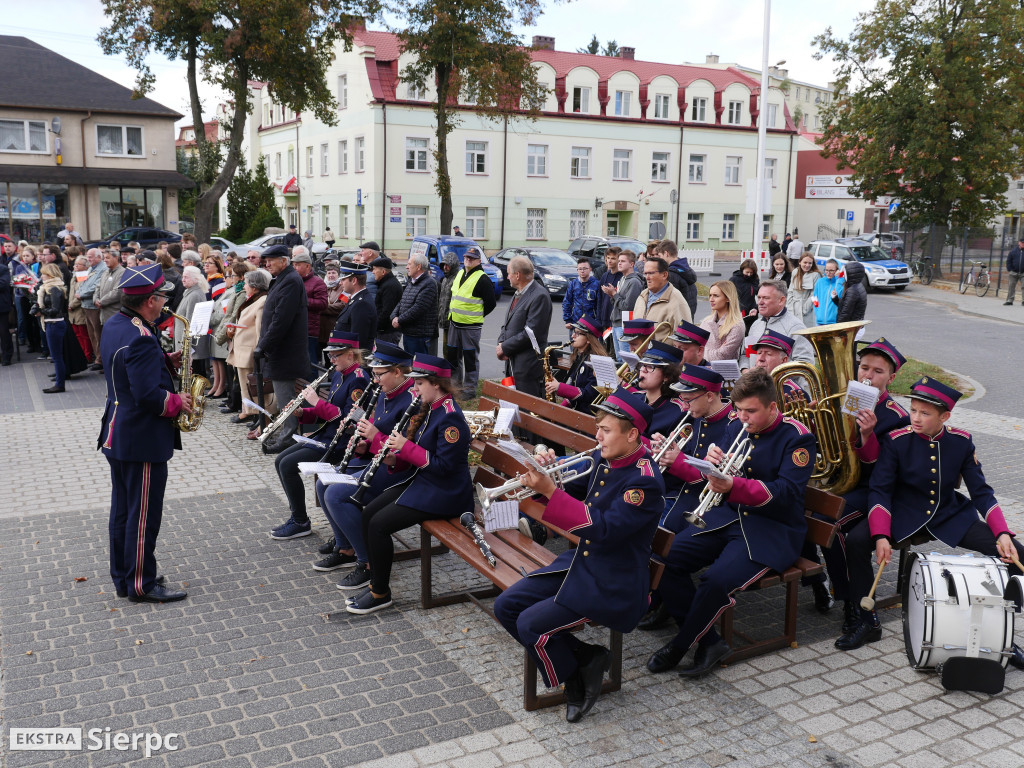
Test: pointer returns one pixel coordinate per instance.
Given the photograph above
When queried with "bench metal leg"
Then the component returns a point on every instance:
(427, 597)
(532, 701)
(758, 648)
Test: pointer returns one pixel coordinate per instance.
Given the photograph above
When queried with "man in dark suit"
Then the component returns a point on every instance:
(530, 308)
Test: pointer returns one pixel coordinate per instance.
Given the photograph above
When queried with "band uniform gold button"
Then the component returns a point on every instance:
(587, 541)
(596, 494)
(601, 483)
(606, 470)
(585, 553)
(934, 470)
(933, 458)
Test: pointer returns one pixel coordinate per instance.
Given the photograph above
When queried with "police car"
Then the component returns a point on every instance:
(881, 270)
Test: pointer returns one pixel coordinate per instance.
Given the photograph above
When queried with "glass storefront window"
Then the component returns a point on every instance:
(133, 206)
(5, 211)
(123, 207)
(55, 210)
(155, 208)
(110, 211)
(25, 212)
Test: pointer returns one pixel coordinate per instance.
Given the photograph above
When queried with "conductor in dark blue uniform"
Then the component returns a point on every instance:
(614, 509)
(759, 527)
(360, 314)
(138, 433)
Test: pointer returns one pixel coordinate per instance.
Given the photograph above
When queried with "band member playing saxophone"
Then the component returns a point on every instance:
(577, 387)
(614, 509)
(758, 524)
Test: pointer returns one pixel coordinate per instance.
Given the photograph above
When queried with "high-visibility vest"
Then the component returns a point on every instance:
(465, 307)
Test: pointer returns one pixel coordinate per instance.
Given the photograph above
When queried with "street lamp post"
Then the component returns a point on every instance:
(762, 130)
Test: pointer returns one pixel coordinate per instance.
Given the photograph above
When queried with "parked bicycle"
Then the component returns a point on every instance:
(922, 268)
(980, 281)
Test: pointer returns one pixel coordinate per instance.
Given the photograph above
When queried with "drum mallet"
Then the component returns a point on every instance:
(868, 603)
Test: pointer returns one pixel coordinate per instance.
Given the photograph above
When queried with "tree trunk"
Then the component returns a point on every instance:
(443, 183)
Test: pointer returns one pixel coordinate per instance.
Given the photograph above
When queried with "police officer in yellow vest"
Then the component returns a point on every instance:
(472, 300)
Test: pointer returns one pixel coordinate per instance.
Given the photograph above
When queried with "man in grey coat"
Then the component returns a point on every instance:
(772, 314)
(530, 308)
(107, 296)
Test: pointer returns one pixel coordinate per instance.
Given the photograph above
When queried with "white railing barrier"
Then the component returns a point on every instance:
(700, 260)
(763, 259)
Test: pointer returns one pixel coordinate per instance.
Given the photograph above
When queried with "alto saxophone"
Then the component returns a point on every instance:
(548, 375)
(191, 384)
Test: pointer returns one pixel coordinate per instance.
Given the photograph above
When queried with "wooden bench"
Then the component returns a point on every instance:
(822, 510)
(549, 421)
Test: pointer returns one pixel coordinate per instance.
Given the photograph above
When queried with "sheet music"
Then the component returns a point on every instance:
(503, 424)
(501, 516)
(520, 454)
(336, 478)
(303, 440)
(629, 358)
(604, 370)
(503, 404)
(314, 467)
(859, 397)
(729, 369)
(533, 339)
(199, 323)
(706, 468)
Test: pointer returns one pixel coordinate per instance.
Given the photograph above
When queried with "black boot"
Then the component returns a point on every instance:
(656, 618)
(868, 631)
(851, 616)
(823, 600)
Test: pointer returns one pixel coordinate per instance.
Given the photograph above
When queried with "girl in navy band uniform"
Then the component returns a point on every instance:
(347, 385)
(436, 448)
(391, 365)
(578, 386)
(659, 370)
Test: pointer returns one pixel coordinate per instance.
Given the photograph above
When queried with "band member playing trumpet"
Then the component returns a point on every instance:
(347, 384)
(436, 448)
(659, 370)
(614, 509)
(578, 385)
(913, 491)
(390, 365)
(759, 527)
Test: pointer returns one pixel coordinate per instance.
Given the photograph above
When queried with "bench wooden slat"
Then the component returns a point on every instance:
(581, 422)
(458, 540)
(527, 546)
(514, 556)
(572, 439)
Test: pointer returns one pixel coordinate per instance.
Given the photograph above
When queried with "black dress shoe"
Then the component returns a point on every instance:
(1016, 657)
(51, 375)
(823, 600)
(851, 616)
(705, 659)
(574, 696)
(665, 658)
(53, 390)
(592, 676)
(160, 594)
(655, 619)
(868, 631)
(161, 580)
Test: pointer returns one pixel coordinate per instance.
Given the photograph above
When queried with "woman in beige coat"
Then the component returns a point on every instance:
(246, 334)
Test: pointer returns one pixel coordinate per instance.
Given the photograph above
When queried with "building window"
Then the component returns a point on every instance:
(24, 136)
(579, 164)
(659, 166)
(360, 154)
(656, 229)
(733, 169)
(696, 172)
(622, 99)
(469, 95)
(581, 100)
(798, 93)
(342, 91)
(362, 222)
(773, 113)
(36, 212)
(416, 154)
(766, 226)
(622, 161)
(476, 219)
(729, 226)
(266, 114)
(415, 93)
(291, 162)
(735, 112)
(323, 159)
(698, 112)
(476, 157)
(770, 164)
(123, 140)
(535, 223)
(577, 224)
(309, 161)
(277, 164)
(536, 160)
(693, 226)
(127, 207)
(415, 220)
(817, 122)
(342, 157)
(343, 220)
(661, 106)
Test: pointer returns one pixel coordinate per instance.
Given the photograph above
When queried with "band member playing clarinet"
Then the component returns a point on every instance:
(614, 510)
(435, 447)
(138, 434)
(577, 386)
(347, 384)
(913, 492)
(758, 524)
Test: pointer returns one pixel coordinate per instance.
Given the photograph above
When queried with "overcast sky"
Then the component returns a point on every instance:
(667, 31)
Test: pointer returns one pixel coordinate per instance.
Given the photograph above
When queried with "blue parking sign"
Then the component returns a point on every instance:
(849, 215)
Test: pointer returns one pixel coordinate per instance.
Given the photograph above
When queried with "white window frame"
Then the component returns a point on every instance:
(696, 170)
(26, 137)
(662, 105)
(415, 221)
(277, 164)
(309, 160)
(623, 101)
(476, 223)
(538, 160)
(124, 140)
(291, 161)
(733, 170)
(729, 222)
(324, 170)
(766, 225)
(413, 93)
(342, 91)
(583, 92)
(699, 109)
(773, 115)
(693, 226)
(360, 150)
(622, 165)
(660, 166)
(536, 223)
(798, 93)
(477, 156)
(578, 223)
(343, 156)
(771, 165)
(268, 119)
(734, 114)
(579, 160)
(343, 220)
(419, 154)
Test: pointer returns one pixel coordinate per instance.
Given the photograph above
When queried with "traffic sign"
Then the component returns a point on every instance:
(849, 215)
(893, 206)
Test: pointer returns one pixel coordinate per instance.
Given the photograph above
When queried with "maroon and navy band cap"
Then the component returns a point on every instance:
(429, 365)
(935, 392)
(660, 353)
(688, 333)
(885, 349)
(628, 405)
(695, 378)
(777, 340)
(141, 281)
(637, 329)
(586, 325)
(342, 340)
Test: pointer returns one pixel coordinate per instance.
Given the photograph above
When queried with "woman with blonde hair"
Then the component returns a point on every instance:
(800, 298)
(725, 323)
(51, 308)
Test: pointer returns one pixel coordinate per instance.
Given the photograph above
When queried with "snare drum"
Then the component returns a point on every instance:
(953, 605)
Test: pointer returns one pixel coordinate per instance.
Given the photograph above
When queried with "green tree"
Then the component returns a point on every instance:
(241, 208)
(611, 48)
(469, 46)
(593, 47)
(927, 107)
(288, 44)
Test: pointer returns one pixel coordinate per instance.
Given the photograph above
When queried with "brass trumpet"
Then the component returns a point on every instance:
(736, 457)
(627, 376)
(481, 424)
(560, 473)
(679, 437)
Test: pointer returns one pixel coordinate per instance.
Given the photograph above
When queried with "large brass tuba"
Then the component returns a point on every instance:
(836, 468)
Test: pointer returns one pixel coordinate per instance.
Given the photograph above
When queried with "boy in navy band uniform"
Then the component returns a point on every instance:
(913, 491)
(138, 433)
(759, 526)
(606, 577)
(691, 339)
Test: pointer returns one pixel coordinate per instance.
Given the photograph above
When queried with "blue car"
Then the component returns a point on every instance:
(881, 270)
(435, 246)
